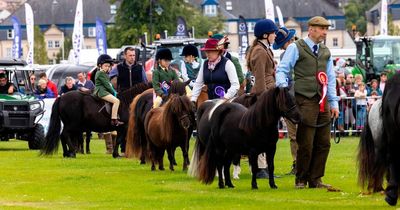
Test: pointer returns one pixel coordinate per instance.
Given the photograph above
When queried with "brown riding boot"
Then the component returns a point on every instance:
(109, 143)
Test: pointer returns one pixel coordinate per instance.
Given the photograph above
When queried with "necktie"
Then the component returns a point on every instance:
(315, 48)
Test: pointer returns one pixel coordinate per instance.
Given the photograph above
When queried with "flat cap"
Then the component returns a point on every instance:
(318, 21)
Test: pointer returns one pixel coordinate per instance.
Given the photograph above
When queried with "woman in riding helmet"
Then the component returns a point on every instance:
(162, 75)
(260, 59)
(103, 87)
(260, 62)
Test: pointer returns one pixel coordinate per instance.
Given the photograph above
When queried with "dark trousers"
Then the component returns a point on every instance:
(313, 142)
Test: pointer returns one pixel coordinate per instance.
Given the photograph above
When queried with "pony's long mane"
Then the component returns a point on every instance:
(261, 114)
(133, 138)
(176, 104)
(177, 87)
(246, 99)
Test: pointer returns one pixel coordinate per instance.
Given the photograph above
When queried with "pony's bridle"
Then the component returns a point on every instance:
(181, 120)
(285, 113)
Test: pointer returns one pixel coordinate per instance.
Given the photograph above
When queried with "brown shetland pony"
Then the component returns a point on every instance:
(167, 128)
(136, 142)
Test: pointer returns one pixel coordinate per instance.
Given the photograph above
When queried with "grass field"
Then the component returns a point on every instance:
(97, 181)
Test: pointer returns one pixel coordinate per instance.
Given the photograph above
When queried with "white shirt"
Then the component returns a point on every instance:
(233, 78)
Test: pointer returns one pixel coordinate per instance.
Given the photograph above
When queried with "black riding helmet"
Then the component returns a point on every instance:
(190, 50)
(164, 53)
(102, 59)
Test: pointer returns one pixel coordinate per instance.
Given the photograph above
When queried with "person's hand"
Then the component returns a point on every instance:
(10, 89)
(194, 106)
(334, 113)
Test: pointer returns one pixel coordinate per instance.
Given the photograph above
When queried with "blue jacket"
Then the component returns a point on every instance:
(47, 93)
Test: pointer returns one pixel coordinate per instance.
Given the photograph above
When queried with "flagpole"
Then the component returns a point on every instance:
(384, 25)
(62, 46)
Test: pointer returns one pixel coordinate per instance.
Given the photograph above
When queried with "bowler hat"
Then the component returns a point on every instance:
(164, 53)
(283, 36)
(211, 44)
(190, 50)
(318, 21)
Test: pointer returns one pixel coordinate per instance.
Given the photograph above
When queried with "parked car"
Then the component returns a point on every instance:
(59, 72)
(176, 45)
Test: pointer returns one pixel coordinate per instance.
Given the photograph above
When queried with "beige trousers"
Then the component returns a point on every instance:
(292, 129)
(115, 101)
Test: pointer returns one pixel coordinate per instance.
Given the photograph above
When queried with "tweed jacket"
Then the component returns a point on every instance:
(262, 66)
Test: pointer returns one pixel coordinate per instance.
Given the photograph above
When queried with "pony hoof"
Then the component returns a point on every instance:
(254, 187)
(171, 168)
(70, 155)
(116, 155)
(142, 162)
(88, 152)
(390, 200)
(161, 168)
(153, 168)
(230, 186)
(221, 186)
(174, 163)
(274, 187)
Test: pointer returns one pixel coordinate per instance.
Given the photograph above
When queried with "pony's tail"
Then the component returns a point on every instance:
(210, 158)
(53, 133)
(366, 157)
(198, 152)
(132, 149)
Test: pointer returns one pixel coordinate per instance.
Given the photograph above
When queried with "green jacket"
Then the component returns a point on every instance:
(103, 85)
(307, 67)
(159, 76)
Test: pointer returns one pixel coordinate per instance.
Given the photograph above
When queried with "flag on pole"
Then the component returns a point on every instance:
(16, 48)
(269, 10)
(101, 40)
(384, 18)
(243, 36)
(280, 17)
(77, 34)
(29, 32)
(181, 27)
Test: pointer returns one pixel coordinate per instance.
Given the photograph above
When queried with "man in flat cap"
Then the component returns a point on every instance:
(315, 92)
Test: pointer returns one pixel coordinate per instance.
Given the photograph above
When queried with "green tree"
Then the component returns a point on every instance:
(67, 48)
(133, 19)
(39, 50)
(355, 14)
(393, 29)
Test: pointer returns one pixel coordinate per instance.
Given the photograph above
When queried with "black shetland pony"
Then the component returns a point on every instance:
(80, 112)
(238, 130)
(204, 127)
(382, 154)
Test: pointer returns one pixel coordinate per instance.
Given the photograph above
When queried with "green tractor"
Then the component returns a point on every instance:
(20, 111)
(377, 54)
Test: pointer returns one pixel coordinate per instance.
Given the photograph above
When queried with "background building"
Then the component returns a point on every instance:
(295, 13)
(56, 20)
(374, 14)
